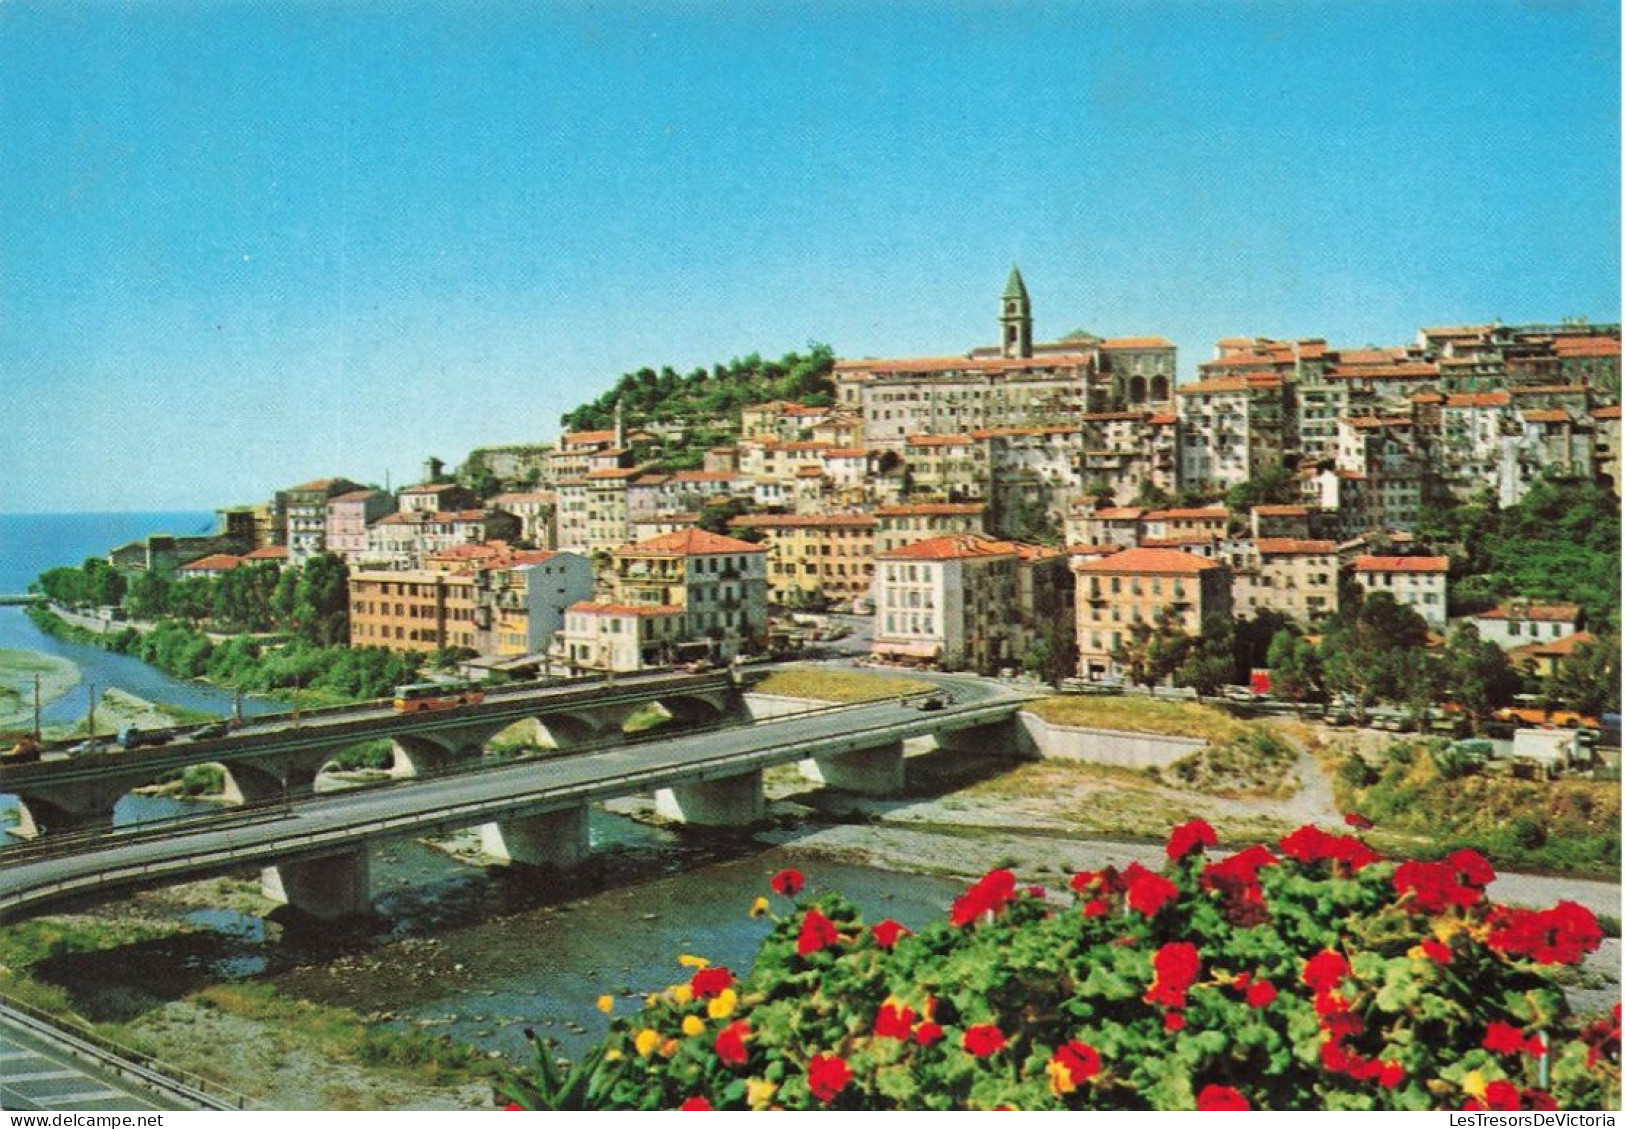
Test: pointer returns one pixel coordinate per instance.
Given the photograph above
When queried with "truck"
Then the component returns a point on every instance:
(25, 750)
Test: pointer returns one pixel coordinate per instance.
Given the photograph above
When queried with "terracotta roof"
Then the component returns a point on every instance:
(355, 496)
(995, 432)
(1546, 415)
(587, 438)
(1458, 330)
(1586, 346)
(589, 607)
(1109, 417)
(216, 562)
(1370, 356)
(1427, 398)
(1609, 412)
(1372, 423)
(1174, 541)
(1552, 648)
(268, 553)
(1162, 562)
(1281, 511)
(1241, 383)
(1535, 613)
(1413, 370)
(1401, 564)
(703, 476)
(1136, 343)
(1120, 513)
(908, 365)
(1163, 420)
(519, 498)
(809, 472)
(957, 546)
(691, 542)
(1093, 550)
(845, 453)
(938, 441)
(1293, 547)
(1478, 399)
(933, 509)
(1549, 390)
(1205, 513)
(612, 472)
(321, 485)
(430, 488)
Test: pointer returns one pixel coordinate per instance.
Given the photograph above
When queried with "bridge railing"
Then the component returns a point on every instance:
(126, 1060)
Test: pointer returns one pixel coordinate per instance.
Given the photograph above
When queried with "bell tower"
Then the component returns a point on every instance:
(1016, 318)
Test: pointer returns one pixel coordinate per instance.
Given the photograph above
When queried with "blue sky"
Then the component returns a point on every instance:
(243, 245)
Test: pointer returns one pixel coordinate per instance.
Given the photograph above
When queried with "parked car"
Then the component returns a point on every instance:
(210, 731)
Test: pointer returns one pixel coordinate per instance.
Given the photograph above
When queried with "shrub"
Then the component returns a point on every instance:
(1314, 976)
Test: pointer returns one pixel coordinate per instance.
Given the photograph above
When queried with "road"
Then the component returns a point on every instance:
(334, 822)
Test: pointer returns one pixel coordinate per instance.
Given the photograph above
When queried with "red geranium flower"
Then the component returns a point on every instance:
(1082, 1062)
(1148, 892)
(708, 982)
(1392, 1075)
(788, 882)
(1215, 1097)
(1357, 821)
(695, 1103)
(817, 932)
(888, 932)
(1176, 964)
(730, 1043)
(1309, 844)
(1501, 1094)
(894, 1021)
(1472, 867)
(1094, 907)
(990, 894)
(1539, 1100)
(983, 1039)
(1325, 970)
(1503, 1038)
(927, 1034)
(1192, 836)
(1173, 1021)
(1260, 994)
(827, 1076)
(1437, 951)
(1563, 934)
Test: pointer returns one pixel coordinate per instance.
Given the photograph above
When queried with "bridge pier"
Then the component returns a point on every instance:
(331, 887)
(37, 817)
(1003, 740)
(556, 839)
(869, 772)
(733, 801)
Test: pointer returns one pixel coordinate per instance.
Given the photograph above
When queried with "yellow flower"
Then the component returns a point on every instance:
(681, 993)
(668, 1048)
(722, 1004)
(606, 1004)
(1474, 1084)
(646, 1041)
(1060, 1078)
(693, 1025)
(689, 960)
(758, 1092)
(613, 1055)
(759, 907)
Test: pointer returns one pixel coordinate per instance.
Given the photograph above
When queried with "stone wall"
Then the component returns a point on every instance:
(1106, 746)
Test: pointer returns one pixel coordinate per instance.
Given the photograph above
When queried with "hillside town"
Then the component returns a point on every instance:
(1067, 499)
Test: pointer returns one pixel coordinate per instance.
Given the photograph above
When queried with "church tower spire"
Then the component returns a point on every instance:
(1016, 317)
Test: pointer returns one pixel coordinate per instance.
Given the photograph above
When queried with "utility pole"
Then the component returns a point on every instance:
(90, 716)
(36, 710)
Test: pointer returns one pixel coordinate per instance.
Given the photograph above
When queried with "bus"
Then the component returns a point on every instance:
(418, 696)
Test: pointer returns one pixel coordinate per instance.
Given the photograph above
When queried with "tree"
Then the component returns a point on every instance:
(322, 600)
(1587, 680)
(1274, 484)
(1294, 666)
(1054, 654)
(1151, 653)
(1475, 673)
(1210, 662)
(1372, 651)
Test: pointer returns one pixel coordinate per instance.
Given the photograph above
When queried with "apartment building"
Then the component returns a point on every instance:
(1420, 583)
(1140, 585)
(1294, 576)
(815, 560)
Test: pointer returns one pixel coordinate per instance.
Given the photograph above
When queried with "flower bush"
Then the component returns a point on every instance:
(1315, 976)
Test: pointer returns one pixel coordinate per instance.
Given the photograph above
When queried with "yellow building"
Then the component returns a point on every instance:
(1139, 586)
(816, 559)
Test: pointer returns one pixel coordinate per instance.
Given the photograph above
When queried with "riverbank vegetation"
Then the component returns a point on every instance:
(1425, 796)
(1135, 714)
(316, 674)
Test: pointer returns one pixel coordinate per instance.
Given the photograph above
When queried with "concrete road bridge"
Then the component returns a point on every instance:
(279, 756)
(314, 849)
